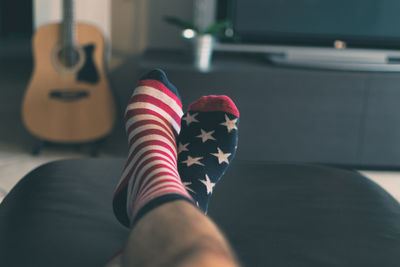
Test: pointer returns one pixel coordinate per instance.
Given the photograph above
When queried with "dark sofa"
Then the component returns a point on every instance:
(274, 214)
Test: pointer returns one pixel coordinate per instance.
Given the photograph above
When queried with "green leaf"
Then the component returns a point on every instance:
(216, 28)
(180, 23)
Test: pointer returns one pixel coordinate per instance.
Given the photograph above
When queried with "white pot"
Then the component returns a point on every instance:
(203, 48)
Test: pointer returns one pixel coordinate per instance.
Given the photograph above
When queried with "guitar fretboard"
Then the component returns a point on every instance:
(69, 55)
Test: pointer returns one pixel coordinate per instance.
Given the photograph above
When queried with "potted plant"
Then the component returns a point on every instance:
(203, 39)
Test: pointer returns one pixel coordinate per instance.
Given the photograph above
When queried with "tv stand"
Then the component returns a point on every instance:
(346, 59)
(295, 114)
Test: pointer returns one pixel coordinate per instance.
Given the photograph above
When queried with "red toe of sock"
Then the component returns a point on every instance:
(215, 103)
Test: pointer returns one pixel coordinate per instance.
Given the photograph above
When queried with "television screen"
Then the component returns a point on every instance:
(359, 23)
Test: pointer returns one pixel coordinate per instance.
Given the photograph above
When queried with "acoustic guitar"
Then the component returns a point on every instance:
(68, 98)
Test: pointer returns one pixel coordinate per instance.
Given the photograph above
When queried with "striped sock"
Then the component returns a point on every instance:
(150, 177)
(207, 144)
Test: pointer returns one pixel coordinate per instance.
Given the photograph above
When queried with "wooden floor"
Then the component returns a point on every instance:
(15, 162)
(389, 180)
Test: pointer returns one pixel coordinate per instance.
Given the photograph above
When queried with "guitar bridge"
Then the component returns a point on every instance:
(68, 95)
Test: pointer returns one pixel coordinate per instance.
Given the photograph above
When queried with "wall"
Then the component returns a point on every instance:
(123, 22)
(160, 34)
(129, 26)
(137, 25)
(132, 25)
(49, 11)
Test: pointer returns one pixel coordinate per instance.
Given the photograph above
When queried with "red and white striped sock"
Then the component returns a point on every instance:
(150, 176)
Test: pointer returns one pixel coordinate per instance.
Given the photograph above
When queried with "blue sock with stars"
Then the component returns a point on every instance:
(207, 144)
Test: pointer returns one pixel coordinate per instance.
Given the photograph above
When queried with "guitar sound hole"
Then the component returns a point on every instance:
(69, 57)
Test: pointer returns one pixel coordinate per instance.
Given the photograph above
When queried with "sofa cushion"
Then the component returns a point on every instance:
(60, 214)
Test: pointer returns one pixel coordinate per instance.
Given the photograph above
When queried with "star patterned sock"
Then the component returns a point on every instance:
(150, 176)
(206, 145)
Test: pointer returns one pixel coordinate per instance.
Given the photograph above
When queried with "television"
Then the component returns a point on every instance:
(340, 34)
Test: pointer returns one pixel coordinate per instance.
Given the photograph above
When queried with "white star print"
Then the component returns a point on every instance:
(206, 135)
(222, 157)
(230, 124)
(209, 185)
(186, 184)
(190, 161)
(190, 118)
(182, 148)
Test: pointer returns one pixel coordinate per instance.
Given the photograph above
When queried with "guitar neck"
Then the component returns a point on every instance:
(68, 27)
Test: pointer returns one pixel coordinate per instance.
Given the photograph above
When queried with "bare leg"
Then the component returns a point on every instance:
(150, 198)
(176, 234)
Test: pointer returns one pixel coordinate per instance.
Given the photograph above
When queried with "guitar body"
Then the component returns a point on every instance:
(68, 104)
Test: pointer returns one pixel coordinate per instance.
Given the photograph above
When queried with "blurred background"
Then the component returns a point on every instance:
(298, 111)
(127, 32)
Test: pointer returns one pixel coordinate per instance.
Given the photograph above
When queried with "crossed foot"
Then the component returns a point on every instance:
(165, 162)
